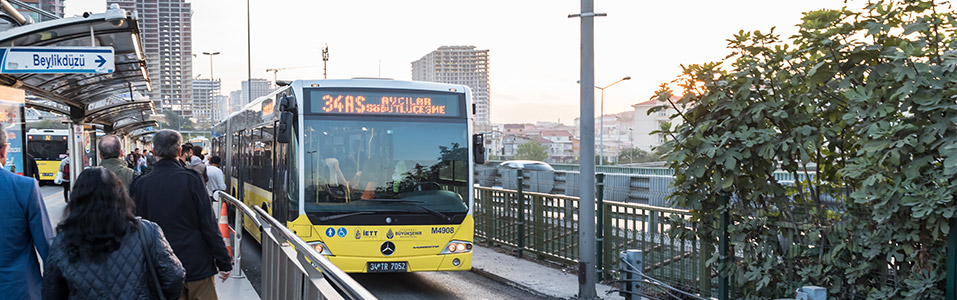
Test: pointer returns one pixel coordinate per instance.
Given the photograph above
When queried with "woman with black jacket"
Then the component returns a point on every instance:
(102, 251)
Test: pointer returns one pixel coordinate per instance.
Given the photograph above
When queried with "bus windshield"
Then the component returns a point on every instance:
(375, 165)
(47, 150)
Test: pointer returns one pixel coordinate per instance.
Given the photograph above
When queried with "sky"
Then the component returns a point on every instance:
(534, 46)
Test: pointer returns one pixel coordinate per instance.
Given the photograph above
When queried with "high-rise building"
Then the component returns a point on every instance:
(236, 100)
(220, 108)
(166, 32)
(260, 87)
(463, 65)
(52, 6)
(204, 101)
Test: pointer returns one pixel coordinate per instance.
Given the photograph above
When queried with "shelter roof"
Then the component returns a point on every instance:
(114, 28)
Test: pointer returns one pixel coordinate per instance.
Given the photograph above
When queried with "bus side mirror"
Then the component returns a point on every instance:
(478, 146)
(287, 103)
(284, 128)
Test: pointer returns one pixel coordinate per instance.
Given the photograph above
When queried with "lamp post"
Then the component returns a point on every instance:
(211, 77)
(631, 140)
(601, 132)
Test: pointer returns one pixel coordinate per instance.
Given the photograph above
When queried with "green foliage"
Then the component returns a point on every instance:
(599, 161)
(532, 150)
(869, 97)
(176, 122)
(636, 155)
(48, 124)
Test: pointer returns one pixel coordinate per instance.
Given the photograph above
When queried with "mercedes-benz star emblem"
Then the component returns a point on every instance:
(387, 248)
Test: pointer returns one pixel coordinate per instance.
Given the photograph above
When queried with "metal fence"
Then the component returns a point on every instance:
(290, 268)
(662, 171)
(546, 226)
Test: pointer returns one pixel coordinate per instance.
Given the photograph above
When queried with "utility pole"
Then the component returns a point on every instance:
(586, 214)
(325, 59)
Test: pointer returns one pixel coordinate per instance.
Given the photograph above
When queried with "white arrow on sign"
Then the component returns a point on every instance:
(57, 60)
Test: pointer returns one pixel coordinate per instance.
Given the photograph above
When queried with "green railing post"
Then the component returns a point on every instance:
(599, 238)
(521, 215)
(538, 221)
(608, 252)
(723, 255)
(704, 272)
(952, 260)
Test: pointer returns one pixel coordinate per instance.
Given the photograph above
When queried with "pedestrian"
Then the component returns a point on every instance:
(196, 162)
(110, 153)
(197, 155)
(217, 181)
(31, 169)
(150, 161)
(26, 232)
(140, 165)
(175, 198)
(185, 155)
(103, 251)
(130, 158)
(63, 177)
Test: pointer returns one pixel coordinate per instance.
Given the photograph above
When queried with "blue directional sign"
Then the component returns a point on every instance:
(56, 60)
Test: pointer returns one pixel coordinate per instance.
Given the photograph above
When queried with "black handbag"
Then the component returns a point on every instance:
(149, 263)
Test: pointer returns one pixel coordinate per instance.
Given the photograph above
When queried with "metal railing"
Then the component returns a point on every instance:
(546, 225)
(291, 269)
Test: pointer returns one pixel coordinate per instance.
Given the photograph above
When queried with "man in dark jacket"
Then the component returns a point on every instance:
(110, 152)
(26, 234)
(176, 199)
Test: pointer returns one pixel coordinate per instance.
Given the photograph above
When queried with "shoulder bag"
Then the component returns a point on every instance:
(149, 262)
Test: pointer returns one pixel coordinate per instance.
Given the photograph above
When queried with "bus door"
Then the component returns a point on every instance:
(279, 176)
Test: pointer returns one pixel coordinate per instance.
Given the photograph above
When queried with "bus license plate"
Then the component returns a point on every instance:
(378, 267)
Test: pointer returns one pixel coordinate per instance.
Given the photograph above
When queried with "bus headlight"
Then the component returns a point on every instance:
(457, 247)
(320, 247)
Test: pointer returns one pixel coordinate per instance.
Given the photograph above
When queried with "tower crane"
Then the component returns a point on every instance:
(276, 70)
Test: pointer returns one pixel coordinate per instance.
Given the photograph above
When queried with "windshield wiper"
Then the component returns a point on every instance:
(339, 216)
(417, 204)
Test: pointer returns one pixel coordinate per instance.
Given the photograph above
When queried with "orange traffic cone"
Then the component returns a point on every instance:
(224, 229)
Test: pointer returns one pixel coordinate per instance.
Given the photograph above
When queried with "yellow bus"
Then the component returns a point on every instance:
(375, 174)
(48, 147)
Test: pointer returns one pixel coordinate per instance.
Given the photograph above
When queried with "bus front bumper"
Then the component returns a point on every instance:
(442, 262)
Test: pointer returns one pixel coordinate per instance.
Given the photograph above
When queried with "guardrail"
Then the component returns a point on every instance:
(291, 269)
(546, 225)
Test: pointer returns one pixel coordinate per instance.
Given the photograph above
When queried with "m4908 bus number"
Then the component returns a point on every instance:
(443, 230)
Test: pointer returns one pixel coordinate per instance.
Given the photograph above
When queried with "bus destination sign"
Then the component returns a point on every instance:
(384, 103)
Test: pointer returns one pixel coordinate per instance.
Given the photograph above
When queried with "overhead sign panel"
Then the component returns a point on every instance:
(57, 60)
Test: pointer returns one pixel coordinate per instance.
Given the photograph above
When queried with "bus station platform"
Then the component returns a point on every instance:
(236, 288)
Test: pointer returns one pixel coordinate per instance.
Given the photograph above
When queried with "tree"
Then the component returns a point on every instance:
(867, 96)
(636, 155)
(177, 122)
(48, 124)
(532, 150)
(600, 161)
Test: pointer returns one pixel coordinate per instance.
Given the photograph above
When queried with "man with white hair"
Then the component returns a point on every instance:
(26, 232)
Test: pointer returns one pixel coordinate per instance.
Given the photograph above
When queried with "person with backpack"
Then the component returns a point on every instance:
(63, 177)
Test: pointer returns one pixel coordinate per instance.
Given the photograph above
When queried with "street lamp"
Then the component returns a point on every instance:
(601, 133)
(631, 142)
(211, 77)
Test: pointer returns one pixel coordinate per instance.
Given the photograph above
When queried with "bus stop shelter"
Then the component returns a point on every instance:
(112, 102)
